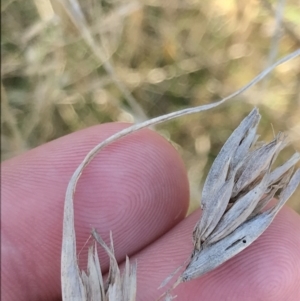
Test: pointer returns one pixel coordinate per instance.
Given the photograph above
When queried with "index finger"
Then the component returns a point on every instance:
(136, 187)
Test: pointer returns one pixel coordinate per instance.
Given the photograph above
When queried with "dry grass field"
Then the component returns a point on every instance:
(67, 67)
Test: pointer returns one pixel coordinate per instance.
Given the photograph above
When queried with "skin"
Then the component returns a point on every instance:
(137, 188)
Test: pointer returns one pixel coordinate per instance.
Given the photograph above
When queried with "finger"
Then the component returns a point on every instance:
(136, 187)
(267, 270)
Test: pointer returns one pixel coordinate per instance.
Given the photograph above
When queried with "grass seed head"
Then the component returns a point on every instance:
(238, 186)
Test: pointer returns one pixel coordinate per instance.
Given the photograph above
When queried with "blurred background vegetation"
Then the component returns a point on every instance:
(68, 65)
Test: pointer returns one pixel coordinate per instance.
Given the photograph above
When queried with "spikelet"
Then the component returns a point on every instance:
(239, 185)
(90, 284)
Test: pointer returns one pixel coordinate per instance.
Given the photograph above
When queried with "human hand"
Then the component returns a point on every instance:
(136, 187)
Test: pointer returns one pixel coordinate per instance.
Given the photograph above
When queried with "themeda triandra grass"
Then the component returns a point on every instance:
(238, 186)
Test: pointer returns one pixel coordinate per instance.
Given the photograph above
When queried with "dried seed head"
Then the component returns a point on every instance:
(118, 286)
(238, 186)
(91, 287)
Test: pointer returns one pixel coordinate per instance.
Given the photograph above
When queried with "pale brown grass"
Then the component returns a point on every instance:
(168, 56)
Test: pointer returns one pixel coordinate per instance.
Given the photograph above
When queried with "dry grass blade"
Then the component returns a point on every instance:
(218, 203)
(215, 179)
(256, 163)
(279, 171)
(93, 281)
(217, 189)
(239, 212)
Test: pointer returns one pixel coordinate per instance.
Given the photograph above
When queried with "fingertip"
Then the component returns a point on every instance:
(268, 270)
(147, 193)
(136, 187)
